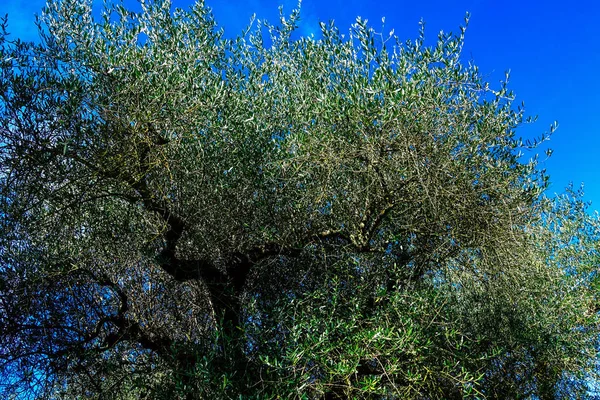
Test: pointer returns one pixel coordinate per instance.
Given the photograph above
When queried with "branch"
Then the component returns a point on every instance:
(131, 331)
(180, 270)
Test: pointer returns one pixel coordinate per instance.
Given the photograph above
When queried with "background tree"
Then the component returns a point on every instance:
(185, 216)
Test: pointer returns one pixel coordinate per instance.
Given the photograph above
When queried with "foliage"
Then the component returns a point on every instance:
(185, 216)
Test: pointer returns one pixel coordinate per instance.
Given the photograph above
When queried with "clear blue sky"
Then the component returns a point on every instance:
(551, 47)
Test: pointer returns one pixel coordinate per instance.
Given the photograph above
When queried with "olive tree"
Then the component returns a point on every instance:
(187, 216)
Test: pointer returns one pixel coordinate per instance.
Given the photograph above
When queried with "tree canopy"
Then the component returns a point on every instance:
(188, 216)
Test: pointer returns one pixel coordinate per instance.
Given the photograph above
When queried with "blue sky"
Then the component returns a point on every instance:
(551, 47)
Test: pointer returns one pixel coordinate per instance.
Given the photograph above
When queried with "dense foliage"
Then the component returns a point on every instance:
(185, 216)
